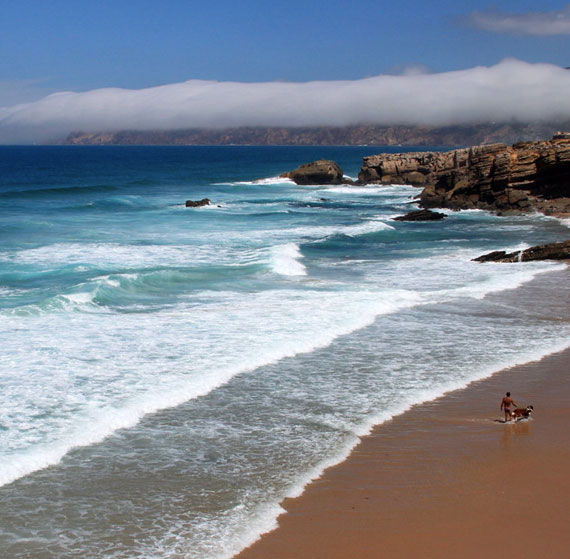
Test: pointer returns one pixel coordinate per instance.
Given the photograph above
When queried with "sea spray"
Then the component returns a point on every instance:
(285, 260)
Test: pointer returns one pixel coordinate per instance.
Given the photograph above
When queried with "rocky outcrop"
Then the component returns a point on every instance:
(421, 215)
(551, 251)
(416, 168)
(322, 171)
(524, 177)
(528, 176)
(198, 203)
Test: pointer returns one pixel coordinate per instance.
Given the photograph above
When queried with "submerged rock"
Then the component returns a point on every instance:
(551, 251)
(198, 203)
(421, 215)
(322, 171)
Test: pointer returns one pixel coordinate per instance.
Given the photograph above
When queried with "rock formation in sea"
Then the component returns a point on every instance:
(421, 215)
(524, 177)
(551, 251)
(322, 171)
(198, 203)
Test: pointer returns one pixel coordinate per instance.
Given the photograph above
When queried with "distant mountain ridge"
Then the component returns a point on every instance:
(458, 135)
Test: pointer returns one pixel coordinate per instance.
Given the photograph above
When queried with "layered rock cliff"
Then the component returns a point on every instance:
(524, 177)
(415, 168)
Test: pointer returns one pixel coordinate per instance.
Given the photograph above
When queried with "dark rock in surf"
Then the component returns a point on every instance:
(198, 203)
(421, 215)
(322, 171)
(551, 251)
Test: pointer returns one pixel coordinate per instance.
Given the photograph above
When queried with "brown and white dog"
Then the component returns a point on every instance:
(522, 413)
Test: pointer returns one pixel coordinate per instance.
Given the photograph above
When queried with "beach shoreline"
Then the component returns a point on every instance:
(445, 478)
(185, 371)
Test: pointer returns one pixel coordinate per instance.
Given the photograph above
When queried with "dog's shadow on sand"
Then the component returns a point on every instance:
(511, 422)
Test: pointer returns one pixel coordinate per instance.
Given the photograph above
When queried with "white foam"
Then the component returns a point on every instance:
(323, 231)
(474, 212)
(285, 260)
(80, 298)
(114, 281)
(464, 277)
(11, 292)
(299, 233)
(299, 322)
(80, 301)
(128, 256)
(369, 226)
(367, 190)
(258, 182)
(208, 248)
(261, 524)
(501, 282)
(96, 393)
(564, 221)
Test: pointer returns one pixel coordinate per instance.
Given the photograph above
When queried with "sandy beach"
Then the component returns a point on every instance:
(446, 479)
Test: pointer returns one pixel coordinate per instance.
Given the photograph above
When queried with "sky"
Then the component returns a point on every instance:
(135, 54)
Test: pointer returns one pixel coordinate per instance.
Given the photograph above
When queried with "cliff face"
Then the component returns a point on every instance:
(416, 168)
(524, 177)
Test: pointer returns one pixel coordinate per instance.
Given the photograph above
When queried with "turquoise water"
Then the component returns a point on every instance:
(170, 374)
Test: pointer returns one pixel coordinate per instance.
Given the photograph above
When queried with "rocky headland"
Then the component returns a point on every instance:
(524, 177)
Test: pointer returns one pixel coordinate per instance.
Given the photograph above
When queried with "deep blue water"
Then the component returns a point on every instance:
(170, 374)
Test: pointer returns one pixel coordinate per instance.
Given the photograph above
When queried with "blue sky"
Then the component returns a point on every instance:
(109, 65)
(78, 45)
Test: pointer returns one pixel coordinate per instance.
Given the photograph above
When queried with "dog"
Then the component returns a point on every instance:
(522, 413)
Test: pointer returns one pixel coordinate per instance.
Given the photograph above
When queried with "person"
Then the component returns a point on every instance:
(506, 404)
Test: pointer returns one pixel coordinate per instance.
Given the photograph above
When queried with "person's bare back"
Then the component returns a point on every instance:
(506, 404)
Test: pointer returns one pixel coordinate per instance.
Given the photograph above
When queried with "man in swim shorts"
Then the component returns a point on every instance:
(506, 404)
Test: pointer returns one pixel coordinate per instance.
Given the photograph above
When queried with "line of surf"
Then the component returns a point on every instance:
(257, 182)
(285, 260)
(265, 520)
(106, 420)
(102, 422)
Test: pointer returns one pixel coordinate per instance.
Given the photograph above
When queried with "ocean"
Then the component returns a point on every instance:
(169, 375)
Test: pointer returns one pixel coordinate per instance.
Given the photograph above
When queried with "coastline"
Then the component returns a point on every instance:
(384, 318)
(445, 478)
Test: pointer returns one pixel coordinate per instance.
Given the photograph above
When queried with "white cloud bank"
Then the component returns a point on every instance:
(531, 23)
(510, 90)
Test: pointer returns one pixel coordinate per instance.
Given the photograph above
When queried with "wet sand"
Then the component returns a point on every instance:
(446, 479)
